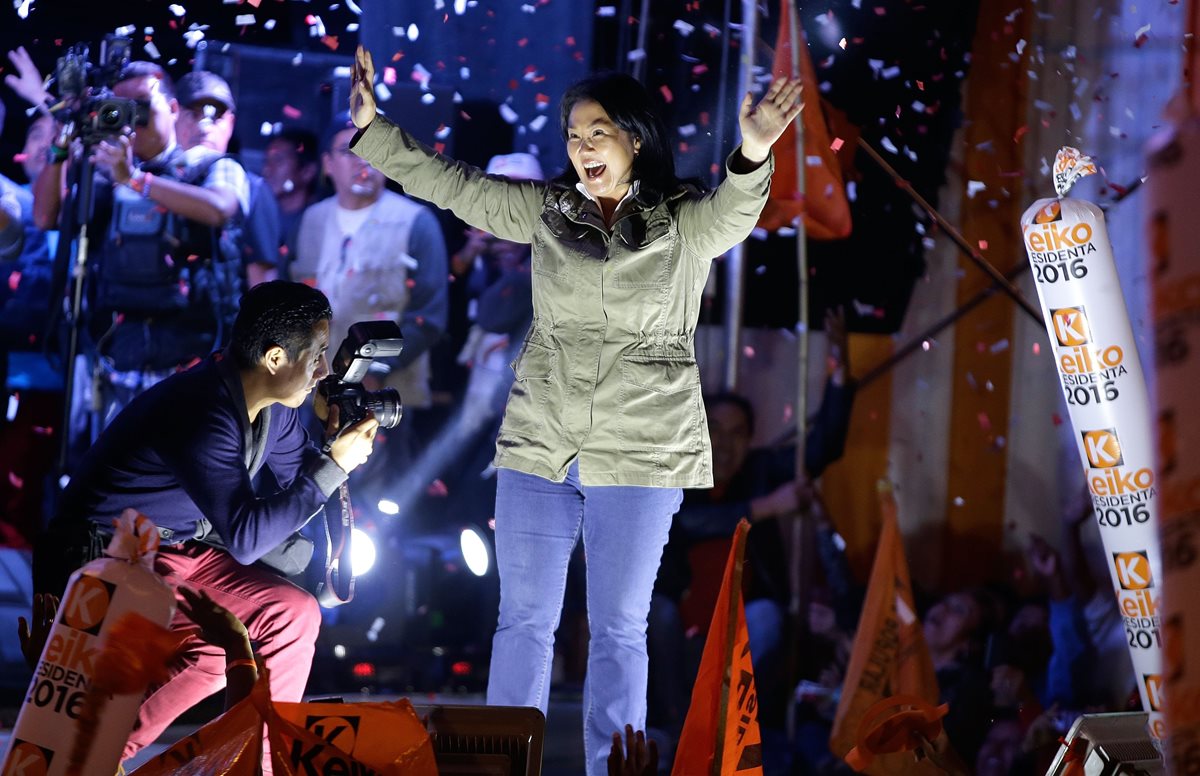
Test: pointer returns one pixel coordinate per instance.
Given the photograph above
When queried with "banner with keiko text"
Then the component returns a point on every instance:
(1105, 391)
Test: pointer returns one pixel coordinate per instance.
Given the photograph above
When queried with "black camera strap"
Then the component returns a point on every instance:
(338, 585)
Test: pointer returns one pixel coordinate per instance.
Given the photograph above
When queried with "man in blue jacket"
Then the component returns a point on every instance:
(189, 453)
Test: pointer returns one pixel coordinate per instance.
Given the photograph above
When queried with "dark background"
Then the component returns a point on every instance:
(898, 77)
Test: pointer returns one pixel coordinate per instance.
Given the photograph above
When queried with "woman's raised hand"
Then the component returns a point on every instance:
(362, 88)
(762, 124)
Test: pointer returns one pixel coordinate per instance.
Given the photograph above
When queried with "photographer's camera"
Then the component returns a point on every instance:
(365, 342)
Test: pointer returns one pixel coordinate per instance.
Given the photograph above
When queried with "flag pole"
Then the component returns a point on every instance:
(735, 259)
(799, 555)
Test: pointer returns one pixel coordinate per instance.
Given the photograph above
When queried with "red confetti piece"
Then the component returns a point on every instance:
(837, 144)
(666, 93)
(523, 42)
(570, 40)
(1020, 133)
(983, 245)
(330, 41)
(15, 481)
(985, 422)
(439, 147)
(291, 112)
(14, 280)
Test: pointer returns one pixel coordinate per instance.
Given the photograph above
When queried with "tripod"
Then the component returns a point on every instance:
(75, 215)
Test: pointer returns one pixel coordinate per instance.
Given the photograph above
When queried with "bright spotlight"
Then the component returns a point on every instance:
(388, 507)
(475, 551)
(362, 552)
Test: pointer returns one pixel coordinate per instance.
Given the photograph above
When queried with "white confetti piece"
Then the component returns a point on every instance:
(508, 114)
(683, 28)
(888, 145)
(464, 73)
(176, 9)
(383, 93)
(460, 7)
(244, 19)
(537, 123)
(687, 130)
(126, 31)
(427, 98)
(412, 33)
(637, 55)
(606, 10)
(269, 24)
(152, 50)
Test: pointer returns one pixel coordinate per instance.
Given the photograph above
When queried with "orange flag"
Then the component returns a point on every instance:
(889, 656)
(824, 206)
(720, 735)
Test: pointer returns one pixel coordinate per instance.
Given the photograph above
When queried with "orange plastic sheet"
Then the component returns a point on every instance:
(379, 738)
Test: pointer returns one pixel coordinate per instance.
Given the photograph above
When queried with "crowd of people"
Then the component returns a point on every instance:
(221, 289)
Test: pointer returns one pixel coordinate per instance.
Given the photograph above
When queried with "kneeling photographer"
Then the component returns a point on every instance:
(156, 285)
(190, 453)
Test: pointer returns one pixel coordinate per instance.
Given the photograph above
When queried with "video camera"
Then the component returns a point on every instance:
(85, 91)
(365, 341)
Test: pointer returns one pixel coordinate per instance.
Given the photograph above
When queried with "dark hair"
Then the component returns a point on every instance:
(140, 68)
(302, 141)
(737, 400)
(278, 312)
(627, 103)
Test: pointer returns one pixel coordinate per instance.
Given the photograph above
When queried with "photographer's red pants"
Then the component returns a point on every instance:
(282, 620)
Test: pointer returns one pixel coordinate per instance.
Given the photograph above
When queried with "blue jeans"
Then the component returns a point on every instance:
(624, 530)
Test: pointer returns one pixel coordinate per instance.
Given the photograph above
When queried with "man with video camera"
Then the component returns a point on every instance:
(190, 454)
(161, 286)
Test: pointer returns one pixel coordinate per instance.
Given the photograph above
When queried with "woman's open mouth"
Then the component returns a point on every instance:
(594, 169)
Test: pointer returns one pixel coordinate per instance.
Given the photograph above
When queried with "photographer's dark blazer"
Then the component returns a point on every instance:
(185, 451)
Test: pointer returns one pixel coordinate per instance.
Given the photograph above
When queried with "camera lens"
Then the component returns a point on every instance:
(109, 116)
(385, 406)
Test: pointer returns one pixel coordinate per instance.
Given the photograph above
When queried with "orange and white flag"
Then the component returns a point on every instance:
(720, 735)
(824, 205)
(890, 656)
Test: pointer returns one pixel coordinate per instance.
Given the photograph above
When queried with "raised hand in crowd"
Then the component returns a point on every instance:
(789, 498)
(838, 352)
(33, 635)
(638, 757)
(1047, 565)
(27, 82)
(478, 242)
(221, 628)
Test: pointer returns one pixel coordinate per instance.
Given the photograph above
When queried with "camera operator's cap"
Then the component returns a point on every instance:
(340, 121)
(521, 167)
(201, 86)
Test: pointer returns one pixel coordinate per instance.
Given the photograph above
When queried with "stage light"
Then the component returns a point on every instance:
(475, 551)
(461, 668)
(388, 507)
(362, 552)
